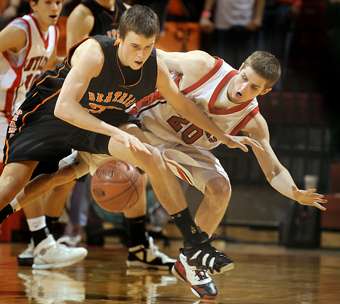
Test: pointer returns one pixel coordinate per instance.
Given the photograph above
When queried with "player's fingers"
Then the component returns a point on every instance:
(321, 200)
(243, 147)
(317, 205)
(318, 196)
(254, 143)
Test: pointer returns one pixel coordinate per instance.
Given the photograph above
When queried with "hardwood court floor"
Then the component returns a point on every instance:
(263, 274)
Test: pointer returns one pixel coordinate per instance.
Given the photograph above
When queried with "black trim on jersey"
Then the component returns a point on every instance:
(150, 107)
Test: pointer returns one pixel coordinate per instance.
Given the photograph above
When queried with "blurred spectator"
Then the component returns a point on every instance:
(159, 6)
(332, 67)
(278, 27)
(236, 24)
(14, 9)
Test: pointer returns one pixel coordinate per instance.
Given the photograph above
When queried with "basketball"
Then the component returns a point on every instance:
(116, 186)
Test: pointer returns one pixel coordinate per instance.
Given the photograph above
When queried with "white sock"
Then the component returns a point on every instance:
(15, 205)
(36, 223)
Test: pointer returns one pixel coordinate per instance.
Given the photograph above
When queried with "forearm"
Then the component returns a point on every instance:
(191, 112)
(283, 183)
(259, 10)
(208, 5)
(74, 114)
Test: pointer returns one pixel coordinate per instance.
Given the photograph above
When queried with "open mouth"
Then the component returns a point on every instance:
(138, 62)
(54, 17)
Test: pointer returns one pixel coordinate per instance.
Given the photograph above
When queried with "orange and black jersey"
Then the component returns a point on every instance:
(116, 88)
(36, 134)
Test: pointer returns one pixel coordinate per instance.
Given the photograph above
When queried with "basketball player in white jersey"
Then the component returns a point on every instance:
(228, 97)
(27, 47)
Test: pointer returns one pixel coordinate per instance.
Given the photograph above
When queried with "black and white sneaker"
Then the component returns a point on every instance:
(152, 257)
(205, 256)
(26, 257)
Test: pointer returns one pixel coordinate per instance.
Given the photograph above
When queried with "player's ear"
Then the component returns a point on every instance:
(118, 40)
(33, 4)
(265, 91)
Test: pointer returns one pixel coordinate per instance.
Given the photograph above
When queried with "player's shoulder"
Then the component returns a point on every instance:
(89, 50)
(14, 36)
(200, 60)
(81, 11)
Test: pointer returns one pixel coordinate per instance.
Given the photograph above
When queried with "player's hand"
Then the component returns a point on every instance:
(309, 197)
(130, 142)
(240, 142)
(207, 25)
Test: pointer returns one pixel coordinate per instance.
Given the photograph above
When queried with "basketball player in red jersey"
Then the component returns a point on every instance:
(27, 47)
(229, 98)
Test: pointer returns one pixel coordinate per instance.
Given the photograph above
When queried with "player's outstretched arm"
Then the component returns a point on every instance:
(189, 110)
(276, 174)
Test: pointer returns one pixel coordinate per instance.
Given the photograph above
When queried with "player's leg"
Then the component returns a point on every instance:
(214, 204)
(164, 183)
(14, 177)
(142, 250)
(43, 183)
(200, 170)
(45, 252)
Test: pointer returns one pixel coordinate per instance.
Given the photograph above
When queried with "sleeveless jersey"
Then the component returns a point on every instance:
(106, 96)
(19, 70)
(159, 117)
(105, 20)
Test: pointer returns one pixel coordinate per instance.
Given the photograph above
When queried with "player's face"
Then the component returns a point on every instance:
(246, 85)
(47, 12)
(135, 49)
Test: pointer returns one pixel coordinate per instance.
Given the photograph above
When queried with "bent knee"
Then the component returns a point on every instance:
(218, 188)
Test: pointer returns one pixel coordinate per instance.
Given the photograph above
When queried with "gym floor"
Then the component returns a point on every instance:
(263, 274)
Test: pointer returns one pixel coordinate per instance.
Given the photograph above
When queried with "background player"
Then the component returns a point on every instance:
(27, 47)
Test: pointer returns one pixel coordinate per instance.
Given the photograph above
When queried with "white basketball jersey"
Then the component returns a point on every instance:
(159, 117)
(19, 70)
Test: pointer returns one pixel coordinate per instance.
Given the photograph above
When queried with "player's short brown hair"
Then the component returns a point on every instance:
(139, 19)
(266, 65)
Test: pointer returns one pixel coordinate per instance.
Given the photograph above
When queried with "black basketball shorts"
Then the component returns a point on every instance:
(44, 137)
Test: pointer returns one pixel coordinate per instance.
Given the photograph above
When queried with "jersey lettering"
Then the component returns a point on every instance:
(98, 102)
(36, 63)
(190, 132)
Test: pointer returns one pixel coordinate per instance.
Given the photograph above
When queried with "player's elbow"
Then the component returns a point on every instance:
(61, 112)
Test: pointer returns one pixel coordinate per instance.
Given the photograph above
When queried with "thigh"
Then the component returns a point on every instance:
(3, 130)
(196, 167)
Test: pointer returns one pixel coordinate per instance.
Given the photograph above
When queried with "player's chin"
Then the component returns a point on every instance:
(137, 65)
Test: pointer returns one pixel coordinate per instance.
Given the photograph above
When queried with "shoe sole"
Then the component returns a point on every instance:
(193, 290)
(25, 261)
(60, 265)
(137, 264)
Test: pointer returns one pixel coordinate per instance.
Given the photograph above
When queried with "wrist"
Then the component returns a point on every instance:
(206, 14)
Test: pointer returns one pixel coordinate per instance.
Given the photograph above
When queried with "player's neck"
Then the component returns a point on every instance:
(109, 4)
(42, 26)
